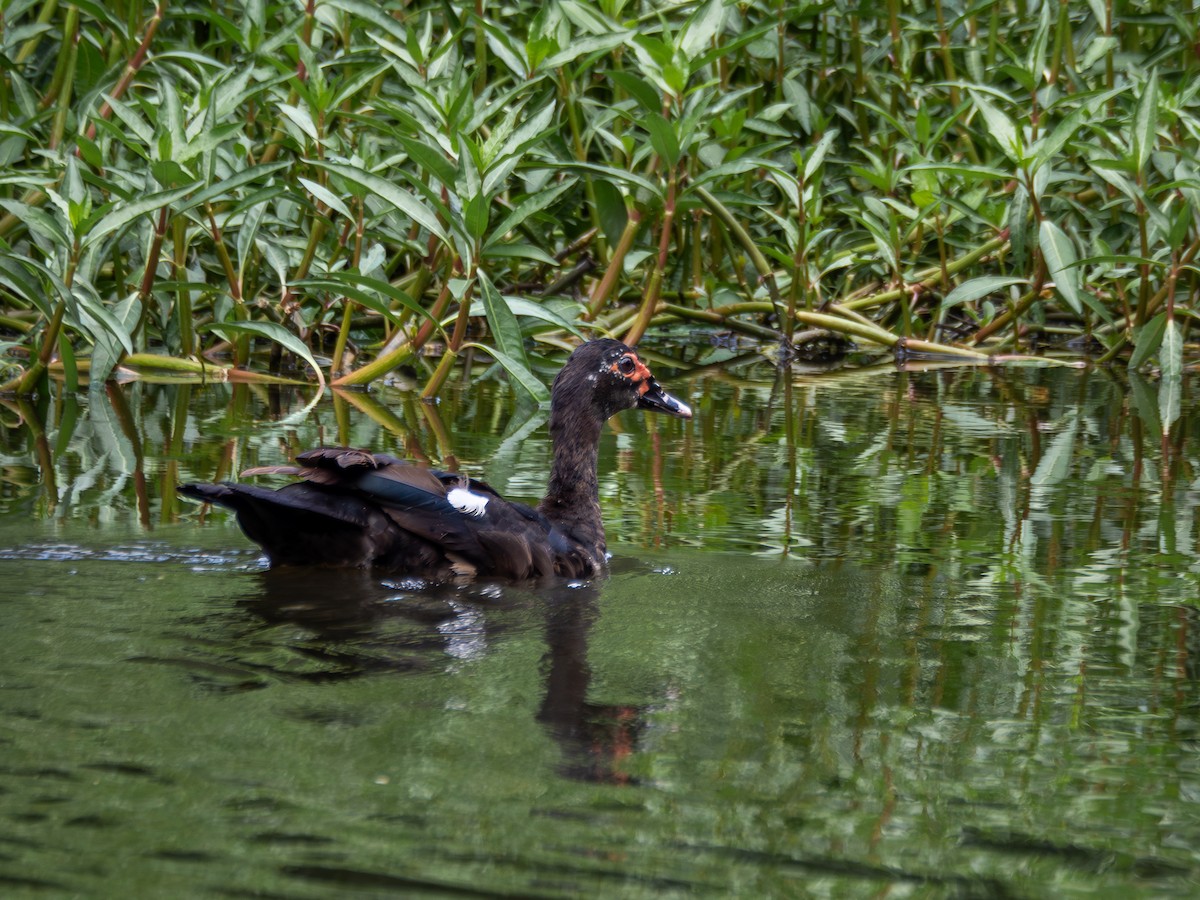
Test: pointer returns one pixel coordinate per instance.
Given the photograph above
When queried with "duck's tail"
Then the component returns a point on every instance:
(300, 524)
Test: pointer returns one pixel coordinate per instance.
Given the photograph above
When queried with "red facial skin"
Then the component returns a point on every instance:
(639, 376)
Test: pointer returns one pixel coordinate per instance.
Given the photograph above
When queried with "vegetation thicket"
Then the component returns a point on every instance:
(359, 185)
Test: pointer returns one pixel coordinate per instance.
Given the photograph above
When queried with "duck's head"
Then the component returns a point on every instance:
(603, 377)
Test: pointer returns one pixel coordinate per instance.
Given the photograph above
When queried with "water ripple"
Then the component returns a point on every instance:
(141, 552)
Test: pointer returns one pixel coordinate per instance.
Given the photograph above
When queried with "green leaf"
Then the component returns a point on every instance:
(1118, 259)
(1050, 146)
(817, 156)
(363, 289)
(898, 124)
(102, 12)
(301, 119)
(700, 29)
(88, 151)
(1180, 227)
(967, 171)
(599, 43)
(731, 45)
(519, 250)
(535, 310)
(972, 290)
(639, 89)
(1019, 222)
(106, 222)
(662, 138)
(467, 180)
(38, 222)
(1171, 354)
(656, 52)
(532, 309)
(504, 48)
(403, 201)
(66, 352)
(1145, 123)
(374, 13)
(225, 188)
(170, 174)
(206, 141)
(1149, 339)
(136, 126)
(118, 322)
(610, 206)
(475, 216)
(1059, 253)
(96, 312)
(531, 205)
(272, 332)
(1100, 46)
(537, 49)
(533, 130)
(328, 197)
(1035, 60)
(616, 174)
(247, 240)
(518, 372)
(16, 277)
(741, 165)
(429, 158)
(506, 331)
(1001, 127)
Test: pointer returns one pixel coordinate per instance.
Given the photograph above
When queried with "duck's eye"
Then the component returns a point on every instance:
(626, 365)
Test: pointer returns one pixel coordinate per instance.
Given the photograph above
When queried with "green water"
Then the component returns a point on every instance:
(886, 633)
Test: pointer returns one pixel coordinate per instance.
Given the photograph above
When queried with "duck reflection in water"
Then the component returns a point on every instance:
(595, 738)
(359, 626)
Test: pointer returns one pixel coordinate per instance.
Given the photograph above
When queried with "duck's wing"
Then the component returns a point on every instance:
(307, 524)
(552, 550)
(412, 497)
(466, 517)
(352, 507)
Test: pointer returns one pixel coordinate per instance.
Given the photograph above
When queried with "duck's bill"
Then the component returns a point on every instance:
(657, 399)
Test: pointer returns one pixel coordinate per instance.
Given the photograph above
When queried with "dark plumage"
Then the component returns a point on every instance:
(354, 508)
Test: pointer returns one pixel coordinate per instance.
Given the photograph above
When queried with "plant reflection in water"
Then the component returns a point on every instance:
(933, 627)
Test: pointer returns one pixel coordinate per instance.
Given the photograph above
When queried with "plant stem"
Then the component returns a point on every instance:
(654, 288)
(612, 274)
(132, 67)
(765, 272)
(348, 306)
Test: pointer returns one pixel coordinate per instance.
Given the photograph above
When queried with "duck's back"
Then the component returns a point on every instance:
(353, 508)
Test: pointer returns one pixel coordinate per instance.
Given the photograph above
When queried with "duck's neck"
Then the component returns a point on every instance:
(572, 498)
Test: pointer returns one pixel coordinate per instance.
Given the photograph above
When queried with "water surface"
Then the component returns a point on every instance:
(904, 633)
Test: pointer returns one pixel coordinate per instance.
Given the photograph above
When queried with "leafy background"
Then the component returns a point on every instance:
(332, 190)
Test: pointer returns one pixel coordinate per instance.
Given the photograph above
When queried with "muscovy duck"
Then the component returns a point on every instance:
(361, 509)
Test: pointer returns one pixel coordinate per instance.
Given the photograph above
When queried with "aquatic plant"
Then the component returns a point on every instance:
(236, 189)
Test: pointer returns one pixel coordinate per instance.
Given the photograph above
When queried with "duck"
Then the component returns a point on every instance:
(357, 509)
